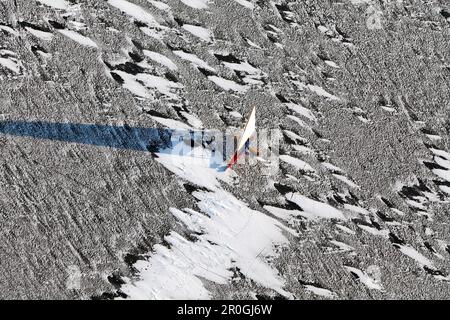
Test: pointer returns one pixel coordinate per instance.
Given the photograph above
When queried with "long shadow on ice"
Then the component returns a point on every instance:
(120, 137)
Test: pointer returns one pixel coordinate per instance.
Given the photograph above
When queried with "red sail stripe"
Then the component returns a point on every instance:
(233, 160)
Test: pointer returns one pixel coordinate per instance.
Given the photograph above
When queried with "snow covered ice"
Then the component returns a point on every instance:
(119, 118)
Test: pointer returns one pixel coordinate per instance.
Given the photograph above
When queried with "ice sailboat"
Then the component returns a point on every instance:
(249, 130)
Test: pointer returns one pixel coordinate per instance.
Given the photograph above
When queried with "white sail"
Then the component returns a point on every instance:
(250, 128)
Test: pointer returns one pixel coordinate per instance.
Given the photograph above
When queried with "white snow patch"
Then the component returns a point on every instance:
(195, 165)
(365, 279)
(303, 149)
(44, 55)
(323, 29)
(243, 67)
(7, 52)
(135, 11)
(444, 174)
(343, 247)
(160, 5)
(299, 121)
(47, 36)
(228, 85)
(284, 214)
(356, 209)
(397, 211)
(316, 89)
(252, 44)
(293, 136)
(171, 273)
(388, 109)
(12, 64)
(320, 291)
(442, 162)
(235, 114)
(200, 32)
(441, 153)
(171, 123)
(331, 167)
(161, 84)
(433, 137)
(382, 233)
(251, 233)
(346, 229)
(445, 189)
(161, 59)
(300, 164)
(356, 2)
(152, 32)
(321, 92)
(78, 25)
(232, 235)
(363, 119)
(301, 110)
(246, 4)
(346, 180)
(416, 204)
(417, 256)
(196, 4)
(192, 120)
(253, 75)
(132, 85)
(193, 59)
(139, 83)
(314, 208)
(331, 64)
(57, 4)
(9, 30)
(79, 38)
